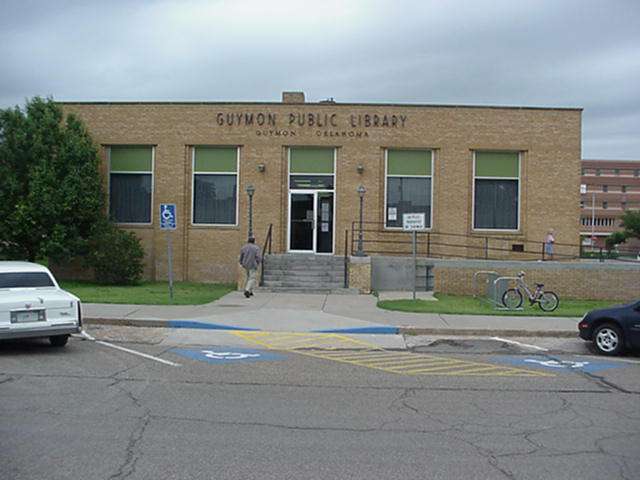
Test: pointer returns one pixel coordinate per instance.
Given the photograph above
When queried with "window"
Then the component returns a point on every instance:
(581, 203)
(311, 168)
(605, 205)
(605, 188)
(623, 205)
(598, 172)
(623, 189)
(636, 173)
(25, 280)
(130, 183)
(215, 185)
(616, 171)
(584, 171)
(408, 185)
(496, 190)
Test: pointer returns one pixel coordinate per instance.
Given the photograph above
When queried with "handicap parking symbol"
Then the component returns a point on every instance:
(559, 365)
(227, 354)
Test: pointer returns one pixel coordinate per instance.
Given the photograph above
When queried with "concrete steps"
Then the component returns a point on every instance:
(304, 273)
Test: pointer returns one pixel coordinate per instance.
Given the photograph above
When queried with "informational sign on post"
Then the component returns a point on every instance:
(168, 220)
(412, 222)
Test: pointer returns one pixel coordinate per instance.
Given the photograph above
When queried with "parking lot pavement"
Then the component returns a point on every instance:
(279, 406)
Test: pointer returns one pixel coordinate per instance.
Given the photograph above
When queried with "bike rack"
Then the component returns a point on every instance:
(496, 288)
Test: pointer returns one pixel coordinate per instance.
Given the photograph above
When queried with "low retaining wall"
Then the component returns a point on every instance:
(579, 280)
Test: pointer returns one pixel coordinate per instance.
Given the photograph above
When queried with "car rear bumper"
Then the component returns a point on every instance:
(47, 331)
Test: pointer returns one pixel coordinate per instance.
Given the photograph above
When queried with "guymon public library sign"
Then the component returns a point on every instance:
(325, 124)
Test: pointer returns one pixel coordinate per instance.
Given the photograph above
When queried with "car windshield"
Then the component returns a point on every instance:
(25, 280)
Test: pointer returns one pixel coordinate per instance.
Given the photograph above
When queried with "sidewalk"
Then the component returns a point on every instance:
(321, 313)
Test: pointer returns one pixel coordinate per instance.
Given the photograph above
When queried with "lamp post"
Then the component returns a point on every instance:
(250, 191)
(593, 219)
(360, 251)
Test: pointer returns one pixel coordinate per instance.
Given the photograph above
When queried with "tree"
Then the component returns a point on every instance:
(631, 223)
(51, 194)
(614, 239)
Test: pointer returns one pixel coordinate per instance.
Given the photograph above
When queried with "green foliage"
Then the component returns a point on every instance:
(115, 255)
(51, 193)
(614, 239)
(149, 293)
(631, 223)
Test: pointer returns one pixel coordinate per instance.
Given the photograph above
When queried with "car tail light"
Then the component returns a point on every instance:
(583, 325)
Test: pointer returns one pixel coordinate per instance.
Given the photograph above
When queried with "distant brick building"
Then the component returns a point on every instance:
(608, 189)
(511, 172)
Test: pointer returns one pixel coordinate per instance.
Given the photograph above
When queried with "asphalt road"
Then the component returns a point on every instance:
(91, 411)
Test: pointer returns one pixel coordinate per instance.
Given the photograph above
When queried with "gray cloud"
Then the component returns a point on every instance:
(547, 53)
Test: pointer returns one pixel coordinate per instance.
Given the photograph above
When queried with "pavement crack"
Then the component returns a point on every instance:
(128, 467)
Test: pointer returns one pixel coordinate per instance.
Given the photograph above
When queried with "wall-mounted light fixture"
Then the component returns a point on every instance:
(261, 167)
(360, 168)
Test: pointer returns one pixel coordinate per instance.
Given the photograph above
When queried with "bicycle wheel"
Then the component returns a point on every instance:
(512, 299)
(548, 301)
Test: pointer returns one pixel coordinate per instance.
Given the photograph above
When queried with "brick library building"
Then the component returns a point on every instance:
(486, 181)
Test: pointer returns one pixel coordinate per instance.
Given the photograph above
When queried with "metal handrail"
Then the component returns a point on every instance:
(346, 258)
(267, 241)
(434, 240)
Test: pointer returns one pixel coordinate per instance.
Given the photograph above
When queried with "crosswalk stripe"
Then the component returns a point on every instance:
(333, 346)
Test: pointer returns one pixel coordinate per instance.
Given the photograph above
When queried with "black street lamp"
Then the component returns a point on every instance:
(360, 251)
(250, 191)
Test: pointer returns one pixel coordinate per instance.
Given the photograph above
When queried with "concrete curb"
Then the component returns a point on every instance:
(481, 332)
(407, 330)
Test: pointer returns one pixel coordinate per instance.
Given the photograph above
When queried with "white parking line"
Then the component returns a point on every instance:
(128, 350)
(526, 345)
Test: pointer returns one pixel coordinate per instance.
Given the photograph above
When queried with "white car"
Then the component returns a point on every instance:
(33, 305)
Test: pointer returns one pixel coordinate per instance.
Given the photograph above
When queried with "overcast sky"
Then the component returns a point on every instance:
(542, 53)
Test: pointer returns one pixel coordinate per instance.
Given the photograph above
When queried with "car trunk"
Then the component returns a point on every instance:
(58, 306)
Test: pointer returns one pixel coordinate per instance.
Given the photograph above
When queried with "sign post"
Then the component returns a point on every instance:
(412, 222)
(168, 223)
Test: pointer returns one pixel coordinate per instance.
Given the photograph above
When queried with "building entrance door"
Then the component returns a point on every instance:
(311, 221)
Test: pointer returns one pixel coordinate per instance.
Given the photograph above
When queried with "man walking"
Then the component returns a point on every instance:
(250, 258)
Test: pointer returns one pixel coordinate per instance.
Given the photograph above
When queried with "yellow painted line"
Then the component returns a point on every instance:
(417, 362)
(402, 361)
(375, 357)
(374, 360)
(363, 355)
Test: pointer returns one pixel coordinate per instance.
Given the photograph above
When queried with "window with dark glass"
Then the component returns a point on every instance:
(130, 183)
(496, 190)
(605, 188)
(215, 185)
(623, 189)
(605, 205)
(408, 184)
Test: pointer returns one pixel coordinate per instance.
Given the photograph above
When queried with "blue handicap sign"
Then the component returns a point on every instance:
(167, 216)
(221, 354)
(559, 365)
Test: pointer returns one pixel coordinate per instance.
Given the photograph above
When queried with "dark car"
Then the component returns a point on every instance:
(612, 330)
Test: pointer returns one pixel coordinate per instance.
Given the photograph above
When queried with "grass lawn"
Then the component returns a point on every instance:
(149, 293)
(474, 306)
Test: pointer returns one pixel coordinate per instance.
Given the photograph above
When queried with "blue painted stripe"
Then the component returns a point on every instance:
(204, 325)
(364, 330)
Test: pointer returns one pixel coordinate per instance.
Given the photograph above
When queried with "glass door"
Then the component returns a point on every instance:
(324, 222)
(302, 222)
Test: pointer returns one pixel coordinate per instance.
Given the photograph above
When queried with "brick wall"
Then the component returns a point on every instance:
(549, 139)
(579, 280)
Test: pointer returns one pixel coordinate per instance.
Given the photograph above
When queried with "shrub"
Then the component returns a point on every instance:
(115, 255)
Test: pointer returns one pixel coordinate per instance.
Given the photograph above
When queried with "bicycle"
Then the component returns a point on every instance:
(513, 298)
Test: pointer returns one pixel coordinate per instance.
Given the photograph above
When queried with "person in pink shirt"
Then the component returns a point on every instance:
(549, 240)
